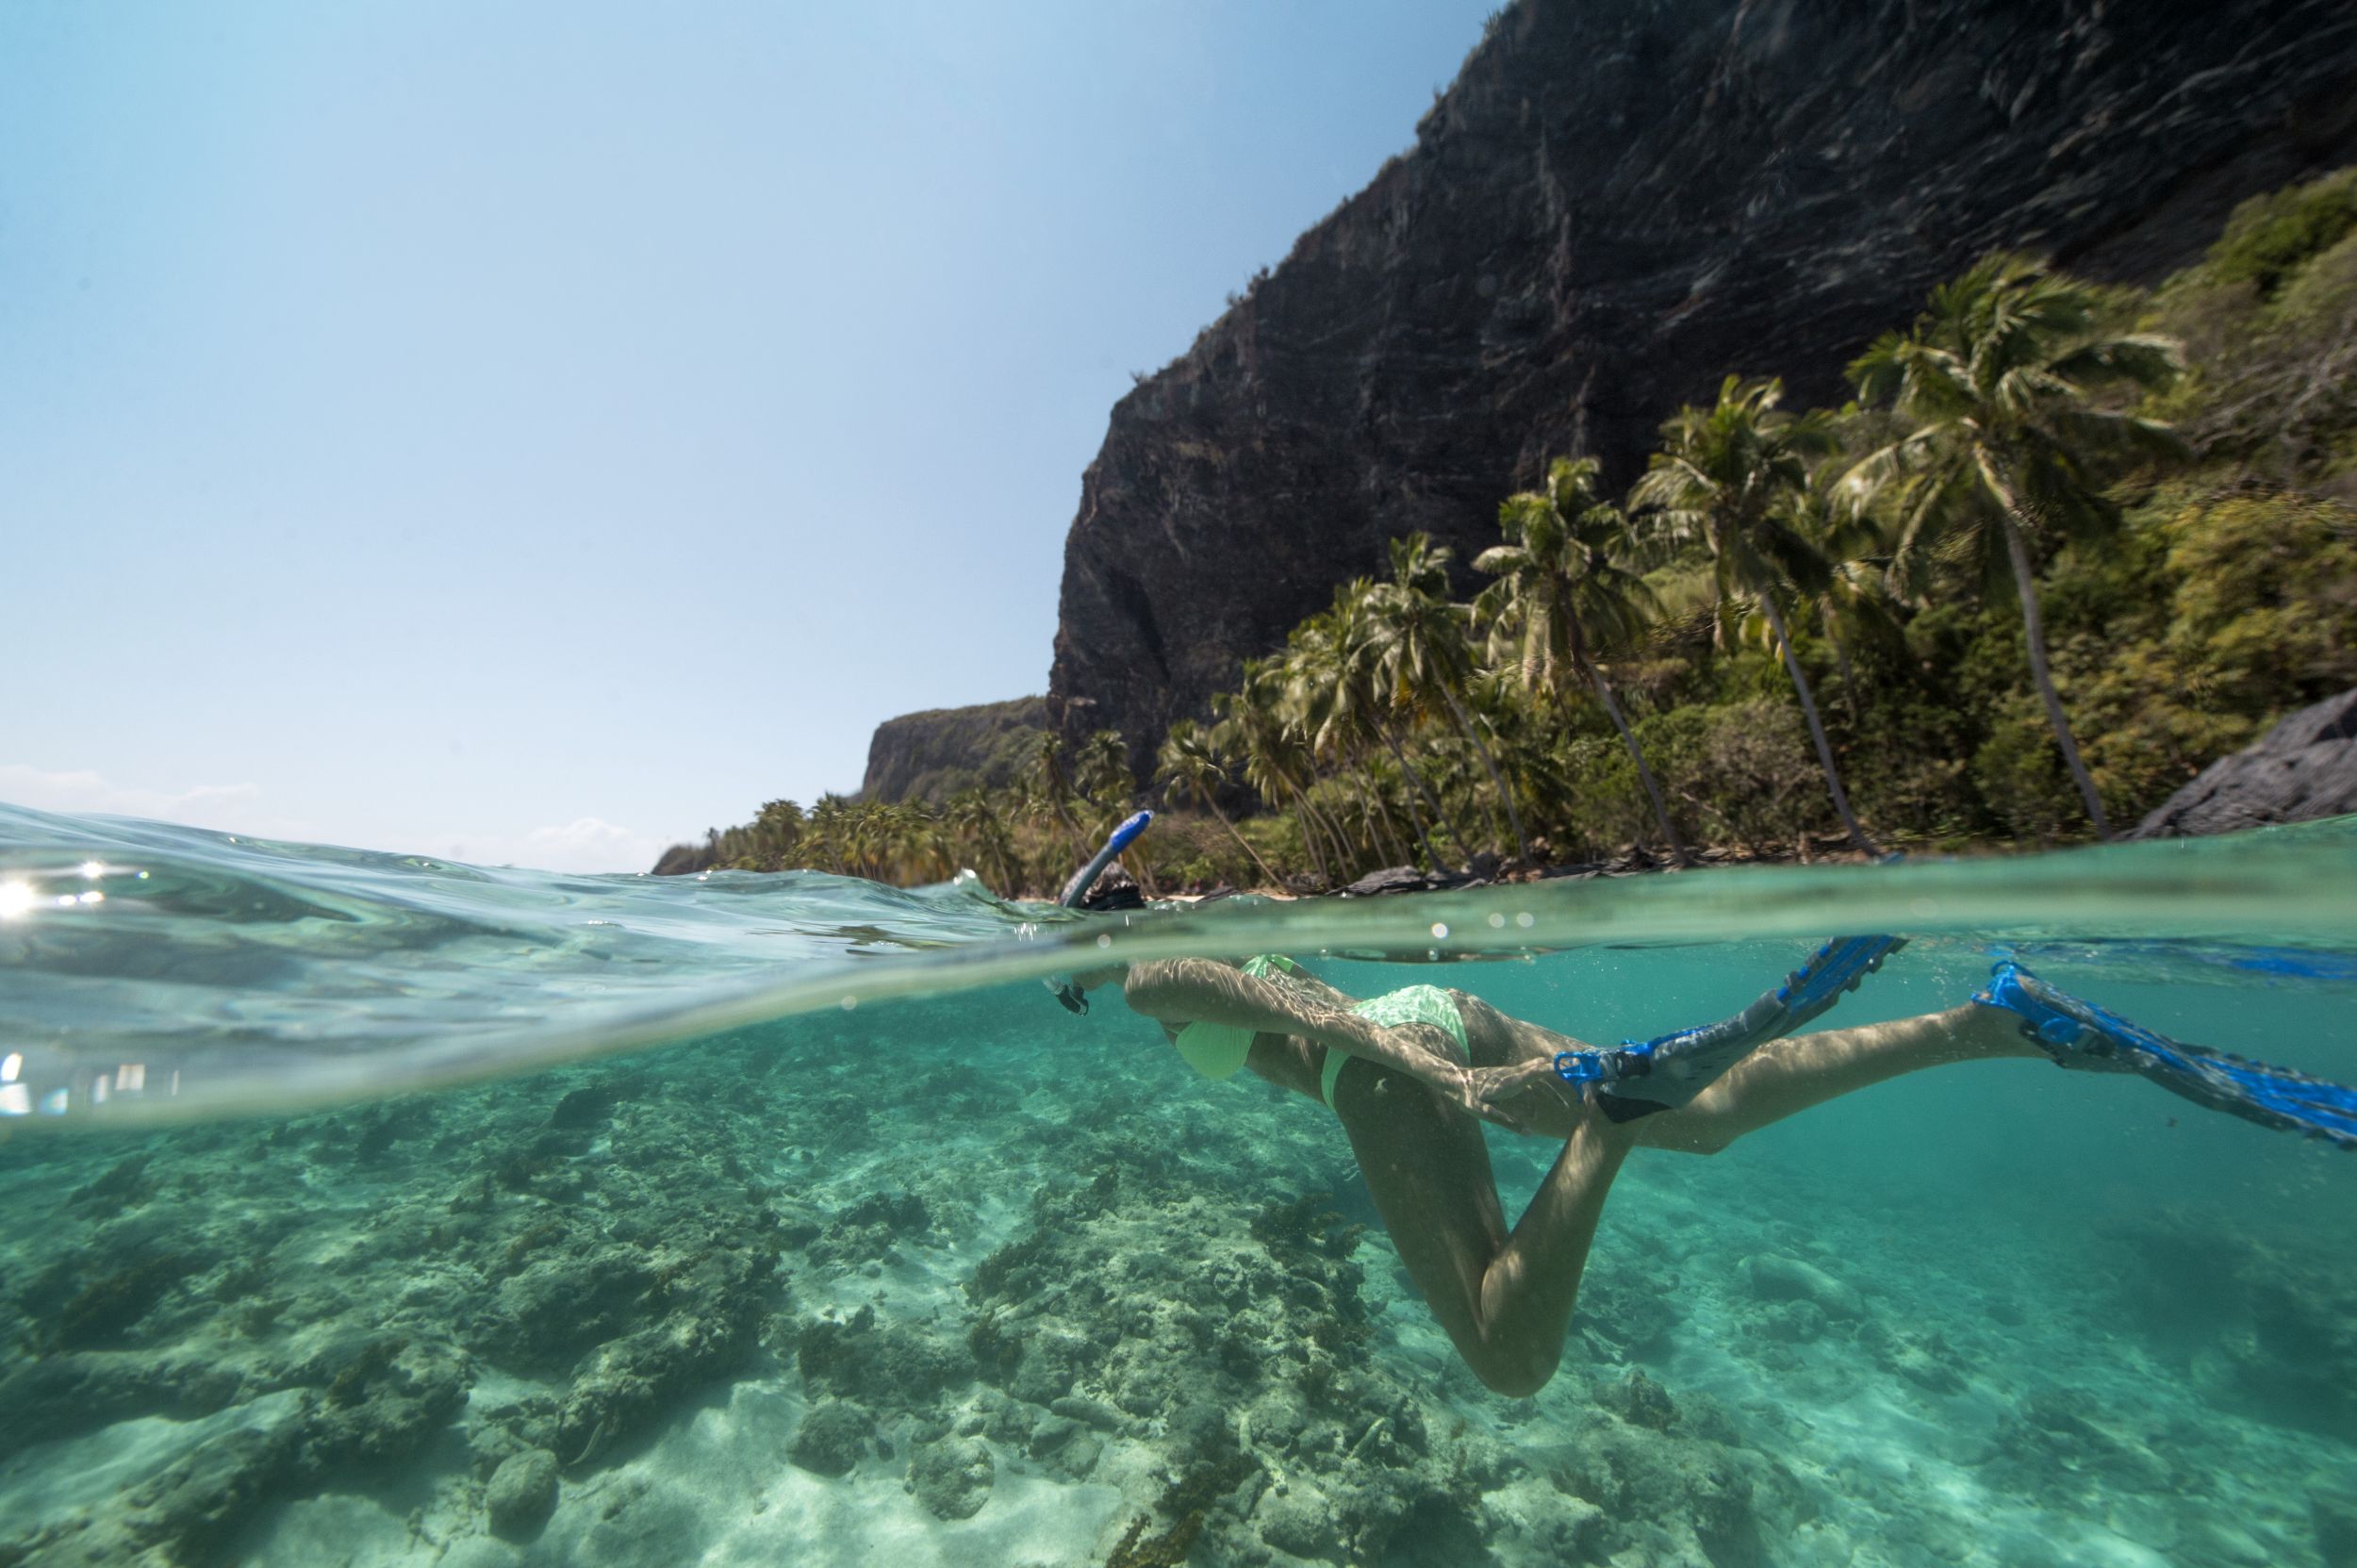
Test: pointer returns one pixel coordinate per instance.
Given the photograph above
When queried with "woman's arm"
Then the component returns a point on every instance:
(1180, 991)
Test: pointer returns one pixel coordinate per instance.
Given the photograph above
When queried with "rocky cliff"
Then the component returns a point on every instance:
(1617, 203)
(927, 756)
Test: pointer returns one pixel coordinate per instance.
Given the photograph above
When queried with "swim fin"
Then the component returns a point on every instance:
(2081, 1036)
(1671, 1069)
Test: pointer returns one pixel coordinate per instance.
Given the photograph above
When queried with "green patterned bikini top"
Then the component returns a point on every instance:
(1218, 1050)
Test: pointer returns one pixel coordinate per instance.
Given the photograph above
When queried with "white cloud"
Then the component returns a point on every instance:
(228, 808)
(584, 844)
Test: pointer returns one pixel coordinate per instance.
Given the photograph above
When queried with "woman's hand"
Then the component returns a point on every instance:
(1481, 1092)
(1489, 1091)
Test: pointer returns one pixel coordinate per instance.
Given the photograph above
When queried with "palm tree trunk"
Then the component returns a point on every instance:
(1379, 837)
(1489, 765)
(1415, 791)
(1816, 726)
(1307, 820)
(2034, 631)
(1243, 842)
(1644, 774)
(1841, 665)
(1339, 854)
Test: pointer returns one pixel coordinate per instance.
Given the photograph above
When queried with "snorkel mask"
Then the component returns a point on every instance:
(1073, 998)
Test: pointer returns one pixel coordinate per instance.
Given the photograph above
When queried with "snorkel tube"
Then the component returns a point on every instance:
(1075, 889)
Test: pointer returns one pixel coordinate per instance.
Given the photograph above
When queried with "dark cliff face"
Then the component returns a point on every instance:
(1617, 203)
(927, 756)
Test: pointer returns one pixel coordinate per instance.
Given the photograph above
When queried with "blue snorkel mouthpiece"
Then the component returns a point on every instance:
(1075, 888)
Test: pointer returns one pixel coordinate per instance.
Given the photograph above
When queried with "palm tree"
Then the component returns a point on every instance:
(1189, 762)
(1726, 477)
(778, 831)
(1054, 788)
(1359, 710)
(1277, 759)
(826, 834)
(1101, 772)
(1559, 596)
(1425, 651)
(1855, 606)
(971, 817)
(2007, 448)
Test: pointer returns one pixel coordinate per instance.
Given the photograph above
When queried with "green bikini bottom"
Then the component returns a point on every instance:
(1218, 1050)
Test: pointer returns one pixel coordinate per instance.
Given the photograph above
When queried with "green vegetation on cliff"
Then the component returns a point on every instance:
(926, 757)
(2071, 545)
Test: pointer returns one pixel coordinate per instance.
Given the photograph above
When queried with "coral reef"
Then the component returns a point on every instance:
(755, 1300)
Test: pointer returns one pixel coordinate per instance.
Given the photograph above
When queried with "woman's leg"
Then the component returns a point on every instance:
(1793, 1074)
(1504, 1298)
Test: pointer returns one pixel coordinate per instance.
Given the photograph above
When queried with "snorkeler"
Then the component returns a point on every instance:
(1410, 1073)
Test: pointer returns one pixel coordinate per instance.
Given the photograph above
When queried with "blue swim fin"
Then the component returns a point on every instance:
(2081, 1036)
(1671, 1069)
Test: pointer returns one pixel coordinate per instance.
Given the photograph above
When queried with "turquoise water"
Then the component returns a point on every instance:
(353, 1201)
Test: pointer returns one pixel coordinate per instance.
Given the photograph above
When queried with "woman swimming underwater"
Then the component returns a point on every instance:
(1412, 1074)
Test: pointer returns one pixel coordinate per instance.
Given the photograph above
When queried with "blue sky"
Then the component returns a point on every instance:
(535, 433)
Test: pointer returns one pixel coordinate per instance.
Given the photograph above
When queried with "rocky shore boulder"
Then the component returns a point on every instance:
(2303, 768)
(684, 860)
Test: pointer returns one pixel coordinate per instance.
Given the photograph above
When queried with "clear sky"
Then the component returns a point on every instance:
(535, 433)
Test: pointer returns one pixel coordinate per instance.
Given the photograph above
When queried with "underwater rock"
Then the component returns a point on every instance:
(543, 1318)
(1639, 1401)
(2303, 768)
(884, 1363)
(1800, 1322)
(951, 1476)
(1092, 1411)
(1775, 1277)
(192, 1508)
(124, 1185)
(113, 1302)
(870, 1229)
(66, 1395)
(628, 1381)
(1535, 1522)
(2061, 1442)
(1629, 1312)
(183, 1513)
(383, 1402)
(2275, 1326)
(1926, 1361)
(833, 1438)
(1667, 1491)
(586, 1107)
(2334, 1517)
(994, 1415)
(522, 1494)
(1300, 1519)
(1049, 1433)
